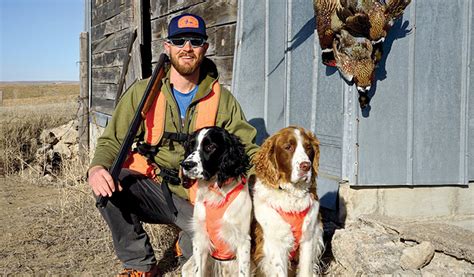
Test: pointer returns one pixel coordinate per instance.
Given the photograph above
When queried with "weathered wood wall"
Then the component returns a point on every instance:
(113, 22)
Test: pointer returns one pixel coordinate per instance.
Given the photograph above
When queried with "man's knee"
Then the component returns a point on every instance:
(185, 244)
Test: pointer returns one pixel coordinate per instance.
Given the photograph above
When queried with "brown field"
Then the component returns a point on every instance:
(21, 90)
(49, 223)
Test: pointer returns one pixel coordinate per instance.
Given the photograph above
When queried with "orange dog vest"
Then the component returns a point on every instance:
(214, 214)
(295, 219)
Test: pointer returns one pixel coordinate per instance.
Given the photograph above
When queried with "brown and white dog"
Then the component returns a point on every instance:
(222, 209)
(288, 226)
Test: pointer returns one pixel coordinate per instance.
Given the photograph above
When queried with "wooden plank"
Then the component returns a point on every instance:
(106, 75)
(109, 10)
(112, 42)
(225, 40)
(137, 9)
(159, 32)
(109, 58)
(104, 91)
(211, 33)
(159, 28)
(130, 79)
(216, 12)
(136, 63)
(98, 3)
(158, 8)
(178, 5)
(156, 49)
(105, 11)
(132, 38)
(102, 105)
(123, 20)
(83, 122)
(224, 67)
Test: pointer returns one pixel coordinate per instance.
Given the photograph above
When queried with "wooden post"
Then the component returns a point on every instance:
(1, 98)
(131, 39)
(84, 99)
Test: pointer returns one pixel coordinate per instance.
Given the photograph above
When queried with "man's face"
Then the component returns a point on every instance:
(187, 58)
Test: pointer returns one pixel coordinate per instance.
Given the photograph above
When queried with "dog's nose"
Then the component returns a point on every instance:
(305, 166)
(187, 165)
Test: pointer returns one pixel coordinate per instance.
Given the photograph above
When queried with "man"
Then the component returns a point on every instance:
(155, 197)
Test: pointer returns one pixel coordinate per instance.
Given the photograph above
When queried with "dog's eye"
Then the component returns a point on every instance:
(288, 147)
(210, 147)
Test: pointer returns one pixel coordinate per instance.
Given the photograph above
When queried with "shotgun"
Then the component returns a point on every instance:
(151, 92)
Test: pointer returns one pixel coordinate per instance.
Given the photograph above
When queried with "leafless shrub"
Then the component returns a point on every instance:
(20, 129)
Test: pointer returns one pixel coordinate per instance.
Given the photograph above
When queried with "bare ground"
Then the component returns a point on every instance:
(52, 230)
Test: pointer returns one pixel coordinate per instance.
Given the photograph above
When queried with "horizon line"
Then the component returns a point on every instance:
(42, 81)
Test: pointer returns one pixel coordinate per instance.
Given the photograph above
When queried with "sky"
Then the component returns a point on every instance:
(39, 39)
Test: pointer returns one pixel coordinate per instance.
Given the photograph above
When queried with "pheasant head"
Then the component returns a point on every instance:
(354, 60)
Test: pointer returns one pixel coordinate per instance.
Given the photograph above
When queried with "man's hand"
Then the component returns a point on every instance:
(101, 181)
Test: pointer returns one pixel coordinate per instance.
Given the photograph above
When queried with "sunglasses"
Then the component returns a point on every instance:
(180, 42)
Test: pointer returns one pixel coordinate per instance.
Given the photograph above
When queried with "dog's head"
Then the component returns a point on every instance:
(214, 152)
(290, 156)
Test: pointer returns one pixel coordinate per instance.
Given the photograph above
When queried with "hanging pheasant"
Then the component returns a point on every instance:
(327, 24)
(351, 35)
(371, 19)
(354, 60)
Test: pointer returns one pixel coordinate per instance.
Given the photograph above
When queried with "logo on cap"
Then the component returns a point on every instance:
(188, 22)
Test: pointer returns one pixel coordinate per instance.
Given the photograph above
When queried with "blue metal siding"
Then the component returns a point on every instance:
(384, 131)
(419, 129)
(247, 82)
(415, 132)
(276, 67)
(437, 95)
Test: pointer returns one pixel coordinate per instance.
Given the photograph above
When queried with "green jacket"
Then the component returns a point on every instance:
(229, 116)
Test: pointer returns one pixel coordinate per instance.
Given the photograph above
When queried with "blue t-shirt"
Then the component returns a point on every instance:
(184, 99)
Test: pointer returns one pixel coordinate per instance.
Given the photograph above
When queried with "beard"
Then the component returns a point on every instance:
(187, 68)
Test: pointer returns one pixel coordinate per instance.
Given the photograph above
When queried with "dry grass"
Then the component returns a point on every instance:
(21, 126)
(51, 226)
(38, 90)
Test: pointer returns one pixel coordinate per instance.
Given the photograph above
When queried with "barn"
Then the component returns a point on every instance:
(410, 153)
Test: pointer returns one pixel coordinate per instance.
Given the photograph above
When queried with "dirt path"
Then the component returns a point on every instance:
(42, 233)
(18, 197)
(50, 230)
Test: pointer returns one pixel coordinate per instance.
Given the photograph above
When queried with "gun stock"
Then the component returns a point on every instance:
(151, 92)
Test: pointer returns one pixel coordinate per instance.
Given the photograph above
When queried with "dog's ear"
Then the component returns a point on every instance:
(315, 144)
(265, 163)
(234, 161)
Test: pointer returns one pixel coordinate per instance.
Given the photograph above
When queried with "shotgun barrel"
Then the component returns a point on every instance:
(152, 90)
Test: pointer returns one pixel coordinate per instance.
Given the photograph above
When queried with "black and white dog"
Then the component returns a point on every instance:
(217, 160)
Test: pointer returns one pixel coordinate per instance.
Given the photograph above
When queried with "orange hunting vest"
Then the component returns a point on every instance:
(214, 214)
(296, 222)
(155, 126)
